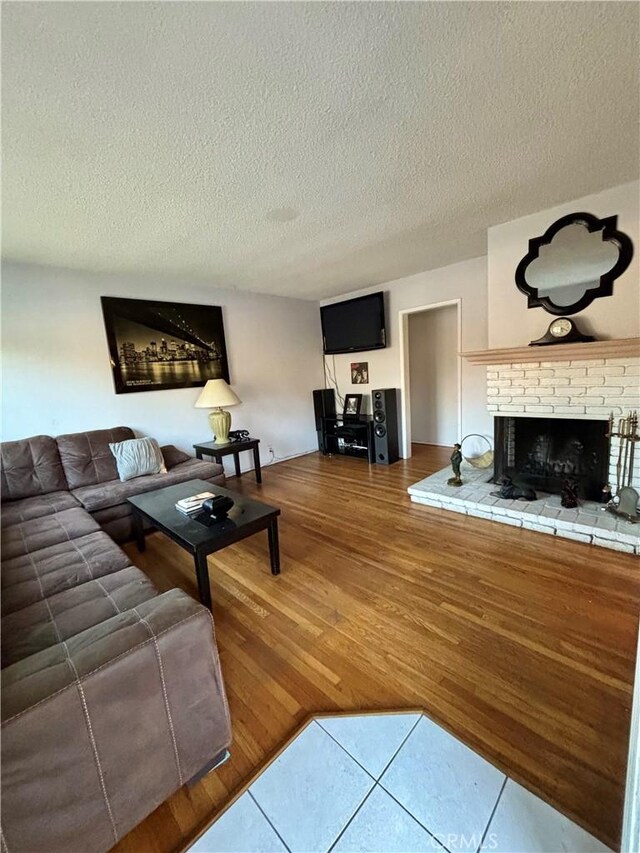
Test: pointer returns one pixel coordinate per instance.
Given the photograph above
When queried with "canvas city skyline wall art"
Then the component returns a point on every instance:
(156, 346)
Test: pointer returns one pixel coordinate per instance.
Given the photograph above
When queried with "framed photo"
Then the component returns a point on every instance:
(352, 405)
(359, 372)
(156, 346)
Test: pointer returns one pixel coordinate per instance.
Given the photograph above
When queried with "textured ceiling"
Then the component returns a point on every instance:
(304, 149)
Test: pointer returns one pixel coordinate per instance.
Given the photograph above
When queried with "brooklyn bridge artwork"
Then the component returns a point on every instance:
(155, 346)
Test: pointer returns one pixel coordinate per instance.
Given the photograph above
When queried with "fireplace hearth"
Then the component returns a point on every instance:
(545, 452)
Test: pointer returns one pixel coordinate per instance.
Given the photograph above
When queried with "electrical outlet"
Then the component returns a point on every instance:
(271, 450)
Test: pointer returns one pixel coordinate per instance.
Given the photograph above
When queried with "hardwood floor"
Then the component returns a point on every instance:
(521, 644)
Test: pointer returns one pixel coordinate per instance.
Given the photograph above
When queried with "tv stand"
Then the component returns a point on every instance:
(348, 436)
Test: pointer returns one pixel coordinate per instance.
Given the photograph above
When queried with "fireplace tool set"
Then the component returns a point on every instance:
(625, 502)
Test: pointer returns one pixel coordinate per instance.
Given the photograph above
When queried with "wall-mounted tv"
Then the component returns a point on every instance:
(354, 325)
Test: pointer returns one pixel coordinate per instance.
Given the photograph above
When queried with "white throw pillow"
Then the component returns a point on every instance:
(137, 457)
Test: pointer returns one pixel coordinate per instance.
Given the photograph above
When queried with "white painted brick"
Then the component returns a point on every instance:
(479, 513)
(591, 400)
(630, 536)
(576, 390)
(539, 528)
(594, 362)
(455, 508)
(492, 408)
(589, 380)
(529, 400)
(492, 374)
(555, 401)
(630, 381)
(511, 408)
(529, 383)
(492, 392)
(615, 546)
(500, 400)
(611, 391)
(540, 373)
(539, 408)
(511, 374)
(514, 522)
(607, 370)
(555, 381)
(501, 383)
(628, 402)
(571, 534)
(517, 391)
(498, 510)
(555, 364)
(573, 371)
(569, 410)
(605, 410)
(525, 364)
(513, 513)
(632, 370)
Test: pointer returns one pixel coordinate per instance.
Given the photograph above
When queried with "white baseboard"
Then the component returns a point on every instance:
(270, 462)
(277, 459)
(432, 443)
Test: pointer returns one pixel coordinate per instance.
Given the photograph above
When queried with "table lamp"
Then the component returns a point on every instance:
(216, 394)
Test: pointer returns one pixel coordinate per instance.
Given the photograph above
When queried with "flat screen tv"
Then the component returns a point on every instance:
(355, 325)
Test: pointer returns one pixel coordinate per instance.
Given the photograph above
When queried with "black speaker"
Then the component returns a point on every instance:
(324, 406)
(385, 425)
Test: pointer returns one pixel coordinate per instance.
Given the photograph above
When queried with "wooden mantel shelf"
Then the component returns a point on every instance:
(621, 348)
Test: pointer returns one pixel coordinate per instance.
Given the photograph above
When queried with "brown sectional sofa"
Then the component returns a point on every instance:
(112, 695)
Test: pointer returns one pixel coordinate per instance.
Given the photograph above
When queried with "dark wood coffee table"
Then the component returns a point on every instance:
(200, 535)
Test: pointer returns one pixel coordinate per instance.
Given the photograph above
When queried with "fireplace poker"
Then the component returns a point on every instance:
(633, 419)
(619, 480)
(626, 437)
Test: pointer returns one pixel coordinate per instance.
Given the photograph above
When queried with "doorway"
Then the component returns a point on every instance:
(431, 375)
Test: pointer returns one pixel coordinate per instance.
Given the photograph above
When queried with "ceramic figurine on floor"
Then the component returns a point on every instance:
(569, 494)
(606, 494)
(456, 460)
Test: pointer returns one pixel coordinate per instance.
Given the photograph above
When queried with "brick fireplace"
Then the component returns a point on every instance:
(577, 389)
(551, 409)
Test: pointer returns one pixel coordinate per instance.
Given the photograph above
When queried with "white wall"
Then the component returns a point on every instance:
(466, 281)
(511, 323)
(57, 377)
(433, 372)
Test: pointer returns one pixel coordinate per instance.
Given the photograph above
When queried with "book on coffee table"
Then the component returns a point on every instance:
(193, 504)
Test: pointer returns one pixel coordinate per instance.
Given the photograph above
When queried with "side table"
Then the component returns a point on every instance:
(235, 448)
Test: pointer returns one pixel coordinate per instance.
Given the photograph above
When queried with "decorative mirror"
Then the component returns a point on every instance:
(575, 261)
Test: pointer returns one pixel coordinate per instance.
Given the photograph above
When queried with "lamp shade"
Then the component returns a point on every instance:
(216, 394)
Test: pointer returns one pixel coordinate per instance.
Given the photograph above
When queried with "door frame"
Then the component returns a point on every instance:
(405, 384)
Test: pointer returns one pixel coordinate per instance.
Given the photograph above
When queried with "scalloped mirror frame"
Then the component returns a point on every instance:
(610, 234)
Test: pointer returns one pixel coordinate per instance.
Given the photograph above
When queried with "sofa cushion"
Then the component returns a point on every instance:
(111, 494)
(29, 467)
(41, 574)
(27, 509)
(172, 456)
(137, 457)
(65, 614)
(28, 536)
(86, 457)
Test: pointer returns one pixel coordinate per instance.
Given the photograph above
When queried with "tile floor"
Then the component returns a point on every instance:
(392, 783)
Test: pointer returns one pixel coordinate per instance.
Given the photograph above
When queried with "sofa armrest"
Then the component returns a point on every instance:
(99, 730)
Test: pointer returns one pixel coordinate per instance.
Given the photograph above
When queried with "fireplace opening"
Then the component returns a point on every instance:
(544, 452)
